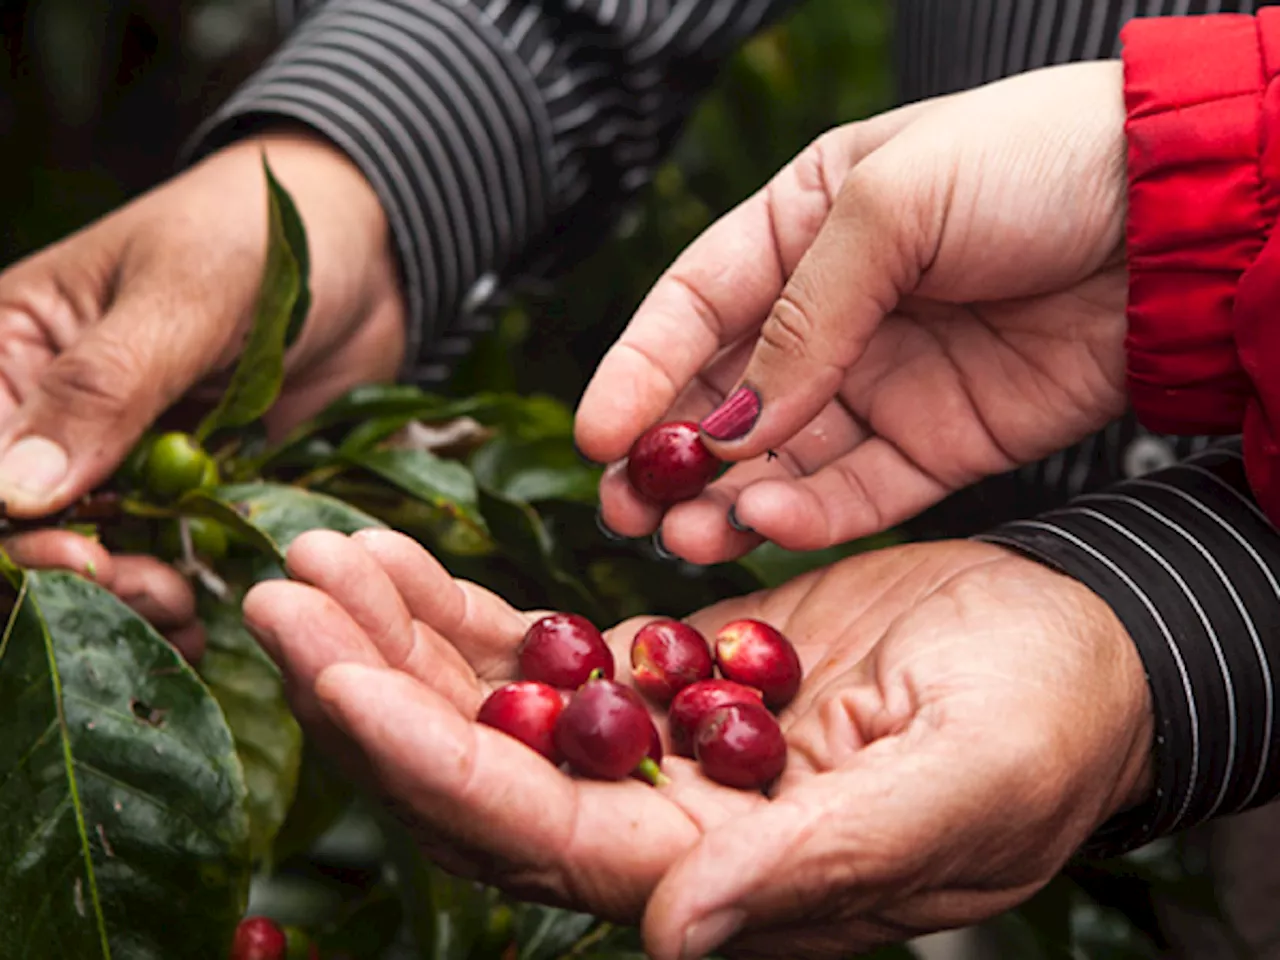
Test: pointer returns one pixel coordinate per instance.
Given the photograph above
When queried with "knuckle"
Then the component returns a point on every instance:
(817, 167)
(790, 327)
(107, 379)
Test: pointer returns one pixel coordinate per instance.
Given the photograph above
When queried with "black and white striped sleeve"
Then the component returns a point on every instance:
(1192, 568)
(502, 136)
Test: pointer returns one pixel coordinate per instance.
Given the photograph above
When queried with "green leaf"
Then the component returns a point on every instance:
(268, 739)
(535, 470)
(394, 405)
(123, 833)
(544, 933)
(259, 373)
(272, 516)
(445, 487)
(295, 234)
(521, 533)
(444, 484)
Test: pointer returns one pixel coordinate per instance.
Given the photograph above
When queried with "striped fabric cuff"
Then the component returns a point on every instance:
(442, 119)
(1192, 568)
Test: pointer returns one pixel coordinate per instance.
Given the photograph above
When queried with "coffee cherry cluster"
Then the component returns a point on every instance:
(569, 708)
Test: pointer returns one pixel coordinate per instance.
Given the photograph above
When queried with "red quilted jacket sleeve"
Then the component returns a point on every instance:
(1203, 105)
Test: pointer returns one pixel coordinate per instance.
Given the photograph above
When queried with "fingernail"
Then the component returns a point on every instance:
(660, 548)
(736, 523)
(734, 418)
(583, 457)
(33, 466)
(605, 530)
(710, 932)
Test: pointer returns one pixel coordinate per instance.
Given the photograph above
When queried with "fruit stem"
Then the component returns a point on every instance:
(97, 506)
(596, 674)
(652, 773)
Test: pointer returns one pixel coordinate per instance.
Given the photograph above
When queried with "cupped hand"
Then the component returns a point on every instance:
(104, 331)
(967, 718)
(919, 300)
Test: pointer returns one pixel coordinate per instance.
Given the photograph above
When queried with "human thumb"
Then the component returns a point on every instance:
(870, 252)
(828, 852)
(89, 406)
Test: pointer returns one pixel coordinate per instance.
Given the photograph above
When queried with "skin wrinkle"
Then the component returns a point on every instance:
(967, 391)
(1049, 374)
(703, 308)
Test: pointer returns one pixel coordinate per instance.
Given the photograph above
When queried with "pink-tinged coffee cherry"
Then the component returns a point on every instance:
(756, 655)
(605, 731)
(562, 650)
(528, 711)
(697, 700)
(667, 656)
(670, 463)
(258, 938)
(741, 745)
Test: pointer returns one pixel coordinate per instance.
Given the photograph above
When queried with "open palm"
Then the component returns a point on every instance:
(921, 300)
(967, 718)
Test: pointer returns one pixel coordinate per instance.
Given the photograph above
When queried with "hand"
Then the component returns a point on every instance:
(154, 590)
(968, 717)
(917, 301)
(101, 333)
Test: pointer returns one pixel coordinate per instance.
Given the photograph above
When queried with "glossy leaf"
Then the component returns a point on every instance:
(444, 484)
(122, 826)
(544, 933)
(523, 536)
(273, 515)
(393, 404)
(268, 739)
(535, 470)
(295, 233)
(259, 373)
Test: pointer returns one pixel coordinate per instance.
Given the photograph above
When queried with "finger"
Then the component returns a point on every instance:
(722, 287)
(62, 550)
(720, 525)
(869, 490)
(158, 593)
(353, 576)
(190, 641)
(304, 630)
(911, 810)
(342, 568)
(477, 623)
(476, 786)
(622, 510)
(871, 251)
